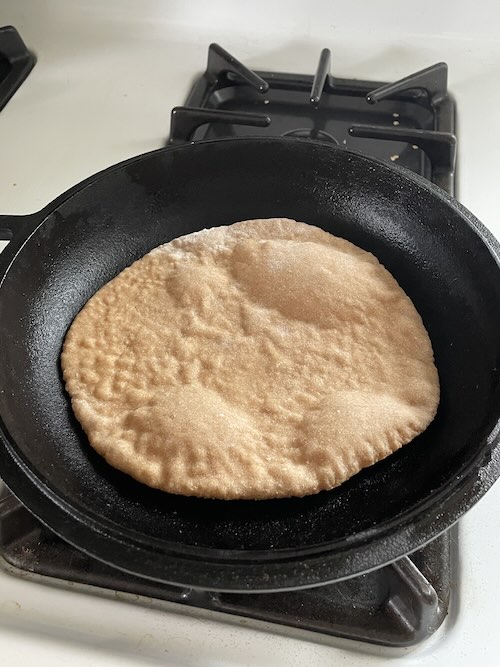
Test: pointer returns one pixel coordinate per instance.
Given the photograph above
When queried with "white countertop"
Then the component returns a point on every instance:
(106, 79)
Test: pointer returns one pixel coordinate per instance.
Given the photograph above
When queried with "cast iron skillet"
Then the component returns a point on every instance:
(441, 255)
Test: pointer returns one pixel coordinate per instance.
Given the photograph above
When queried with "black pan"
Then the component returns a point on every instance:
(441, 255)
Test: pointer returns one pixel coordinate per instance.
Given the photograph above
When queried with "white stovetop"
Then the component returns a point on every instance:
(106, 79)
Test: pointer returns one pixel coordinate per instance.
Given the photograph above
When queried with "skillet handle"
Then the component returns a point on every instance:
(13, 227)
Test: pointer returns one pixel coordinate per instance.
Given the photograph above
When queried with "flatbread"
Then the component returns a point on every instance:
(264, 359)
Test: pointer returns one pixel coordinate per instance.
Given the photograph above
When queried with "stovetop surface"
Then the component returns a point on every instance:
(96, 82)
(404, 602)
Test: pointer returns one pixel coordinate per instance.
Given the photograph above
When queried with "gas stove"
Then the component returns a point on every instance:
(424, 596)
(406, 601)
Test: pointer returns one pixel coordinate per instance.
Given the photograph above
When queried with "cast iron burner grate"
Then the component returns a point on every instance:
(410, 122)
(397, 605)
(16, 62)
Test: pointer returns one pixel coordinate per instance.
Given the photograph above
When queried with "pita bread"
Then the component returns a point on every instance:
(265, 359)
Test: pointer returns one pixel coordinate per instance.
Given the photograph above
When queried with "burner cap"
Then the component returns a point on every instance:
(311, 133)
